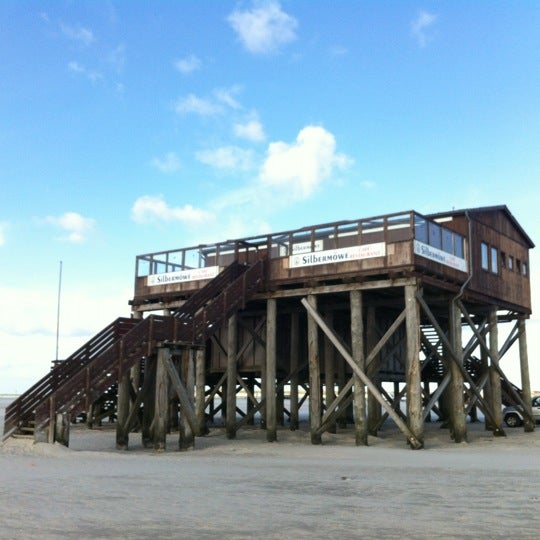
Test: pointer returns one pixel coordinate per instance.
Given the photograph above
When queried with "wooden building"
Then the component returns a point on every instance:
(329, 315)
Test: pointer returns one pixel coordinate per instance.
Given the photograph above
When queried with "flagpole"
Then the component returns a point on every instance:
(58, 310)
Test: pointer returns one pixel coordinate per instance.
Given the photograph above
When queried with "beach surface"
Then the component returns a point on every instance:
(249, 488)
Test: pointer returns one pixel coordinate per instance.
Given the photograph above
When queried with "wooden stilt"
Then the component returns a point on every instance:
(62, 429)
(161, 401)
(270, 375)
(315, 408)
(456, 388)
(358, 347)
(294, 352)
(374, 407)
(122, 413)
(329, 373)
(494, 376)
(186, 434)
(149, 398)
(200, 383)
(232, 343)
(414, 391)
(525, 378)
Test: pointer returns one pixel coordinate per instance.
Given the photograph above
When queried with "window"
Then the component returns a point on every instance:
(524, 267)
(435, 235)
(458, 246)
(494, 260)
(510, 262)
(518, 266)
(503, 259)
(485, 260)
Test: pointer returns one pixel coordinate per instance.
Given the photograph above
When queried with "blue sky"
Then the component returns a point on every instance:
(132, 127)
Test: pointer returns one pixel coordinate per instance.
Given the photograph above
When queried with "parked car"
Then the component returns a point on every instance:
(513, 417)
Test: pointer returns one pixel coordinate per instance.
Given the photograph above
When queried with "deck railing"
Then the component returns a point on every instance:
(399, 227)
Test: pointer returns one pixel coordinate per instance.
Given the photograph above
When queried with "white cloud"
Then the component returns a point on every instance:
(421, 26)
(80, 34)
(188, 64)
(75, 225)
(302, 166)
(197, 105)
(265, 28)
(227, 157)
(148, 208)
(169, 163)
(251, 130)
(92, 76)
(117, 57)
(227, 96)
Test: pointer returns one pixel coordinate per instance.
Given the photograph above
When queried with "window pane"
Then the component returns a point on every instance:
(494, 261)
(435, 235)
(485, 261)
(511, 262)
(420, 229)
(447, 243)
(524, 269)
(458, 245)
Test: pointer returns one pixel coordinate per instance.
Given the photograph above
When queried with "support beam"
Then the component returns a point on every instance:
(294, 352)
(161, 401)
(528, 423)
(200, 384)
(456, 388)
(372, 370)
(494, 376)
(329, 372)
(414, 384)
(315, 405)
(270, 382)
(232, 344)
(357, 347)
(186, 433)
(415, 443)
(122, 413)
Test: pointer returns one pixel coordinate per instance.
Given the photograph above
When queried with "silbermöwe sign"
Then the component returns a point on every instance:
(437, 255)
(330, 256)
(195, 274)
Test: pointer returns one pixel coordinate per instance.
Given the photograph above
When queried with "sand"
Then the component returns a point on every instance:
(248, 488)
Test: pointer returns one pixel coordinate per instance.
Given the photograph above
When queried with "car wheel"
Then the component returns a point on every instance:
(512, 420)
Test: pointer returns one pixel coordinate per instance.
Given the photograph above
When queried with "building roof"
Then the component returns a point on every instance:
(485, 210)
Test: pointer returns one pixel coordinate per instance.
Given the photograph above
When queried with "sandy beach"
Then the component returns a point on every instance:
(248, 488)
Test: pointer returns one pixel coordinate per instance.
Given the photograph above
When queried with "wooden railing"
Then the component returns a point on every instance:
(22, 410)
(111, 357)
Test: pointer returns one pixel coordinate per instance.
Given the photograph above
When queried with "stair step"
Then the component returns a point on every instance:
(22, 436)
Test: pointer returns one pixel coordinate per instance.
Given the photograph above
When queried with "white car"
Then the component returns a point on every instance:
(513, 417)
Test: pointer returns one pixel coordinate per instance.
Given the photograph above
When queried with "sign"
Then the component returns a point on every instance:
(330, 256)
(195, 274)
(437, 255)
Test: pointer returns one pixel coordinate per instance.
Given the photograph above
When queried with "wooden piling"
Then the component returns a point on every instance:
(358, 347)
(315, 406)
(122, 412)
(525, 378)
(415, 419)
(494, 375)
(329, 372)
(161, 401)
(186, 434)
(294, 352)
(270, 383)
(200, 397)
(232, 341)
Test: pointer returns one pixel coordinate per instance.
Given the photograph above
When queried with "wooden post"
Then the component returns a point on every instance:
(525, 379)
(314, 375)
(414, 390)
(122, 413)
(456, 387)
(329, 373)
(186, 435)
(374, 407)
(294, 351)
(271, 322)
(342, 417)
(494, 376)
(358, 347)
(200, 383)
(61, 429)
(232, 345)
(148, 402)
(161, 401)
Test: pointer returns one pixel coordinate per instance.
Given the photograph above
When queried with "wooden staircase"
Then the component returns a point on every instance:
(73, 385)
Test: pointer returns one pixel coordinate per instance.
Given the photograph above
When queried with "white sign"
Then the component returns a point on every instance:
(305, 247)
(352, 253)
(437, 255)
(195, 274)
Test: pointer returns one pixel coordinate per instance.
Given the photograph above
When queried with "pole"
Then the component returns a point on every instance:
(58, 310)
